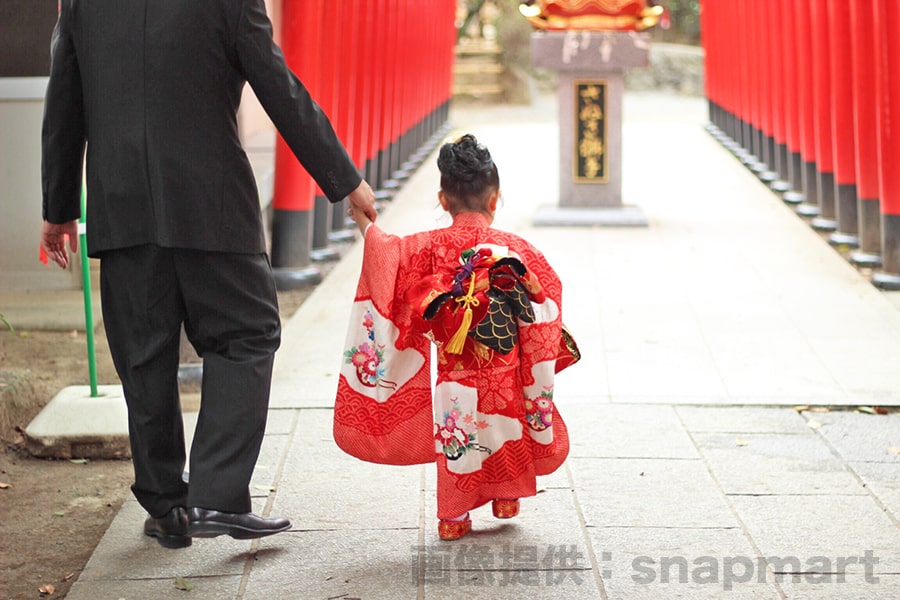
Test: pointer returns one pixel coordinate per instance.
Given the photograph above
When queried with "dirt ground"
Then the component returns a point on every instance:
(54, 512)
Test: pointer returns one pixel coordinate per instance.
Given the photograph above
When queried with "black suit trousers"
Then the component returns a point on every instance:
(229, 309)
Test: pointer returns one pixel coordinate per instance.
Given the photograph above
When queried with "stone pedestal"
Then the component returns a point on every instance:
(591, 68)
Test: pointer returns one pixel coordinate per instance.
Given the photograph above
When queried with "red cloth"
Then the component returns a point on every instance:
(494, 425)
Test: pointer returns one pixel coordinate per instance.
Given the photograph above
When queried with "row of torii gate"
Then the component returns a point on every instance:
(807, 94)
(382, 70)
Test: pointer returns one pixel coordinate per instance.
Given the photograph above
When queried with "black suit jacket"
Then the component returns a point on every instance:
(151, 89)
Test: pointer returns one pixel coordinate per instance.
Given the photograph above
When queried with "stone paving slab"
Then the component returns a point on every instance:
(741, 419)
(813, 526)
(860, 437)
(213, 587)
(626, 431)
(664, 562)
(882, 480)
(324, 488)
(648, 493)
(548, 519)
(515, 585)
(816, 586)
(771, 464)
(125, 553)
(373, 564)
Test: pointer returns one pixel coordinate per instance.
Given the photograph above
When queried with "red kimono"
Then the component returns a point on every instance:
(491, 303)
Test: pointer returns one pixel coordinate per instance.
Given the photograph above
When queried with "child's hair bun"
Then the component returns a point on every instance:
(465, 160)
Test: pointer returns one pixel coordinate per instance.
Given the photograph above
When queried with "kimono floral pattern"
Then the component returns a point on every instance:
(457, 432)
(539, 411)
(368, 357)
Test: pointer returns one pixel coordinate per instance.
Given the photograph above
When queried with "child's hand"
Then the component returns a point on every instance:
(362, 205)
(362, 220)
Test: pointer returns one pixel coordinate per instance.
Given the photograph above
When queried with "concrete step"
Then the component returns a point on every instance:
(477, 68)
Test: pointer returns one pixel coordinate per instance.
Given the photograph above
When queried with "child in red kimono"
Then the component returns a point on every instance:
(491, 304)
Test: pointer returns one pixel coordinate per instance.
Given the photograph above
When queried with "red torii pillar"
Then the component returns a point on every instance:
(742, 84)
(725, 34)
(331, 73)
(752, 76)
(777, 59)
(887, 34)
(403, 106)
(821, 96)
(350, 106)
(369, 97)
(388, 75)
(798, 15)
(765, 91)
(784, 12)
(842, 140)
(723, 90)
(294, 189)
(863, 46)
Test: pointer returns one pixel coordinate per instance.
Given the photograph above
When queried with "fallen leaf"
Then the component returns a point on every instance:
(183, 584)
(893, 450)
(4, 485)
(78, 461)
(741, 441)
(47, 589)
(881, 411)
(59, 513)
(865, 409)
(813, 424)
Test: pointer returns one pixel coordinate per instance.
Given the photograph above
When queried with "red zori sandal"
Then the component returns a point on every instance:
(453, 530)
(505, 509)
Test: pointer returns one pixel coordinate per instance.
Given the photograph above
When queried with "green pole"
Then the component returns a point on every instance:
(86, 285)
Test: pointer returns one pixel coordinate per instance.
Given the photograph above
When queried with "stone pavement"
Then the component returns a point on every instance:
(693, 473)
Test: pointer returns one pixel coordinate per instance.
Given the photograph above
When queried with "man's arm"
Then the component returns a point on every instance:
(300, 121)
(63, 134)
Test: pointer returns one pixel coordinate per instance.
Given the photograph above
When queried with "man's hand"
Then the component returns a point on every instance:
(53, 241)
(362, 200)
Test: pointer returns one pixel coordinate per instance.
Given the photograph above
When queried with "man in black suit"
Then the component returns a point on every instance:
(149, 90)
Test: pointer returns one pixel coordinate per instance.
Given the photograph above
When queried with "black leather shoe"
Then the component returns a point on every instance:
(203, 522)
(169, 530)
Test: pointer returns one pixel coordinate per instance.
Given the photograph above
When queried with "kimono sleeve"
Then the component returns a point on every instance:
(382, 411)
(538, 355)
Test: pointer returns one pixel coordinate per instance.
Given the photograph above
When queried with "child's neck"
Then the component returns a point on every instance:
(489, 217)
